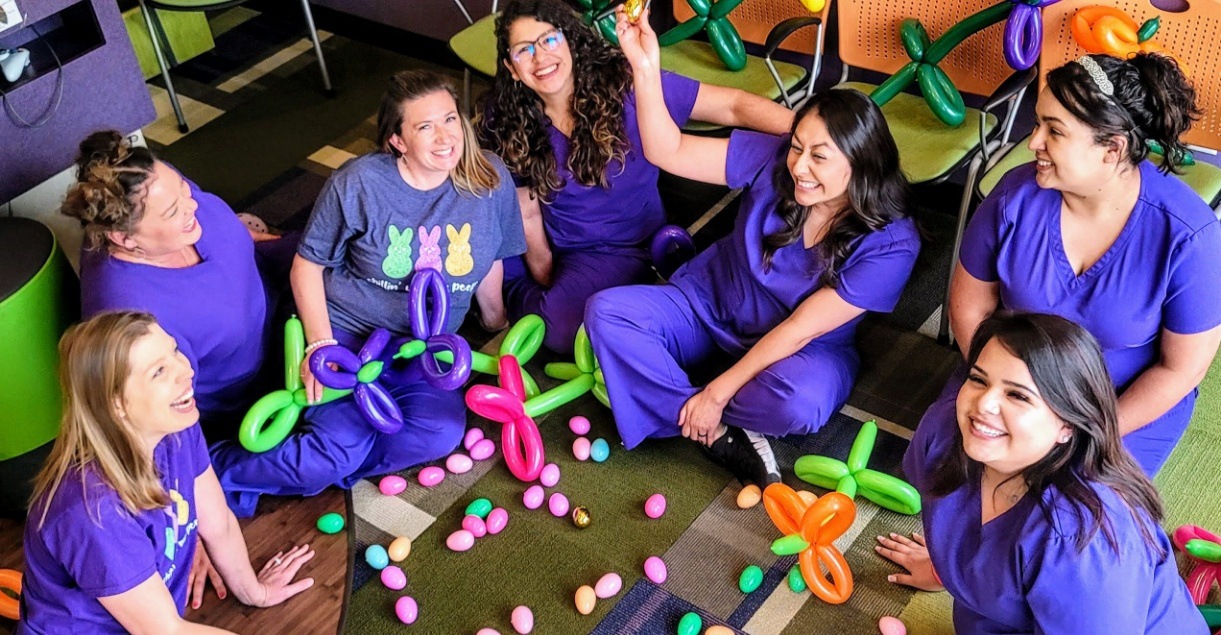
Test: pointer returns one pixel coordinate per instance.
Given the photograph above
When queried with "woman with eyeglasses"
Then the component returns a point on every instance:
(561, 113)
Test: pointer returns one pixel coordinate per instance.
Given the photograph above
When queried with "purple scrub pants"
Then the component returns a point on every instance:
(648, 338)
(335, 446)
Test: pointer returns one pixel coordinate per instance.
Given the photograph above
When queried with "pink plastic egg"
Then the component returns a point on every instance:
(394, 578)
(431, 476)
(579, 425)
(558, 504)
(655, 570)
(533, 498)
(655, 506)
(458, 463)
(473, 436)
(891, 626)
(392, 485)
(580, 449)
(608, 585)
(488, 631)
(497, 519)
(406, 609)
(460, 540)
(550, 475)
(522, 620)
(475, 525)
(483, 450)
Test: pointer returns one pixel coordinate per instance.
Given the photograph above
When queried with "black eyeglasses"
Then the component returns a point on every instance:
(550, 41)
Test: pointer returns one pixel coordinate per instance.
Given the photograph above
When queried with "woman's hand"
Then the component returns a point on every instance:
(700, 417)
(313, 387)
(202, 571)
(637, 40)
(276, 579)
(911, 554)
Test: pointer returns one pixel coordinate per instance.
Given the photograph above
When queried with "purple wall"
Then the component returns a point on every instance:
(438, 19)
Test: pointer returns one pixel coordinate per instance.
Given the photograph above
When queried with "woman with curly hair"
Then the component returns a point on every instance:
(561, 113)
(823, 236)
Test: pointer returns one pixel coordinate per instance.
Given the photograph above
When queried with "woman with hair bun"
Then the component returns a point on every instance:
(1096, 233)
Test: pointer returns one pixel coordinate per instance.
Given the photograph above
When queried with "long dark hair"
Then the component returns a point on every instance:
(511, 120)
(1152, 101)
(877, 189)
(1068, 369)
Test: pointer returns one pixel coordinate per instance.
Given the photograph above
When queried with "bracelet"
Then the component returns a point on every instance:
(319, 344)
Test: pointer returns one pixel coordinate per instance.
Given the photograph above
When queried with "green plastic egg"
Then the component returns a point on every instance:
(750, 579)
(331, 523)
(690, 624)
(796, 582)
(480, 507)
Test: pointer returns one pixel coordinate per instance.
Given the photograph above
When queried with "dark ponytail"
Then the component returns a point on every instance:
(1152, 102)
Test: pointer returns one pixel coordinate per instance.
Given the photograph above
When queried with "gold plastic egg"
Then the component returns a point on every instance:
(399, 549)
(633, 8)
(749, 497)
(586, 598)
(581, 517)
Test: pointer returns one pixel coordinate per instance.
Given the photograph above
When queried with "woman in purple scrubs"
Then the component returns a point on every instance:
(561, 114)
(1036, 519)
(822, 237)
(1094, 232)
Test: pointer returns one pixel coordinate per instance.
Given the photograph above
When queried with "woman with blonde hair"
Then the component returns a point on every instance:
(430, 199)
(126, 492)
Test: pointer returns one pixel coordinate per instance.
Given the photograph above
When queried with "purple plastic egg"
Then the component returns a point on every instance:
(550, 475)
(655, 570)
(579, 425)
(458, 463)
(475, 525)
(522, 620)
(473, 436)
(483, 449)
(394, 578)
(533, 498)
(497, 519)
(460, 540)
(392, 485)
(608, 585)
(655, 506)
(431, 476)
(580, 449)
(406, 609)
(558, 504)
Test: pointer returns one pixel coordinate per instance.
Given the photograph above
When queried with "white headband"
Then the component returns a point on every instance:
(1096, 73)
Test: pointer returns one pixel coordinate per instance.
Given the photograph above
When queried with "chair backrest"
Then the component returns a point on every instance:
(1191, 36)
(754, 19)
(869, 38)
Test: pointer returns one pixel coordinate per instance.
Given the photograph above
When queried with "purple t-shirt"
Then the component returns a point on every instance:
(92, 547)
(1022, 573)
(216, 310)
(628, 211)
(740, 302)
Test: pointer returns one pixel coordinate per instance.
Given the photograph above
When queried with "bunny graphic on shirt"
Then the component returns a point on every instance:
(398, 256)
(430, 249)
(458, 261)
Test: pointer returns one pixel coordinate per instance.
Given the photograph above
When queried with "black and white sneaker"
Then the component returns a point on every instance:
(747, 455)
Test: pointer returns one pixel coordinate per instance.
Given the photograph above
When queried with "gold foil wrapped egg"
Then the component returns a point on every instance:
(633, 8)
(581, 517)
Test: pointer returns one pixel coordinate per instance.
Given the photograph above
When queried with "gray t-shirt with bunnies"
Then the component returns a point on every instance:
(372, 231)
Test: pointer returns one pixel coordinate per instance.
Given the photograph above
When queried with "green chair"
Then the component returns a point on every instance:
(161, 42)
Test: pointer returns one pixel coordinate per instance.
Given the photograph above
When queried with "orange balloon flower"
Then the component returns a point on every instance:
(1100, 29)
(818, 525)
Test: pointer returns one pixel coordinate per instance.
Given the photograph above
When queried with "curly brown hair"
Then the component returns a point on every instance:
(512, 122)
(111, 185)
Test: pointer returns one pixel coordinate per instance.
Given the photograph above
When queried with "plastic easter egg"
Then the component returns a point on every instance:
(394, 578)
(655, 570)
(533, 498)
(377, 557)
(586, 599)
(718, 630)
(331, 523)
(690, 624)
(473, 436)
(558, 504)
(431, 476)
(483, 450)
(480, 507)
(459, 463)
(750, 579)
(488, 631)
(550, 475)
(608, 585)
(580, 449)
(399, 549)
(599, 450)
(392, 485)
(581, 518)
(809, 498)
(497, 519)
(475, 525)
(655, 506)
(522, 620)
(406, 609)
(892, 626)
(460, 540)
(749, 497)
(579, 425)
(796, 582)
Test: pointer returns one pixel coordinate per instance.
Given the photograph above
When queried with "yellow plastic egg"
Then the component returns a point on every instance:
(749, 497)
(586, 598)
(399, 549)
(718, 630)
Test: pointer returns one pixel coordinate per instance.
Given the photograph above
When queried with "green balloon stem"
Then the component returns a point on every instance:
(370, 372)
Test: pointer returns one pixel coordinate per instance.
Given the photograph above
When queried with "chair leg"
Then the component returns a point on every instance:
(155, 34)
(313, 34)
(944, 334)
